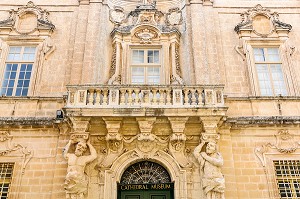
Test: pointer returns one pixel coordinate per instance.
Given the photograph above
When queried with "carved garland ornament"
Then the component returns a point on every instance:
(285, 143)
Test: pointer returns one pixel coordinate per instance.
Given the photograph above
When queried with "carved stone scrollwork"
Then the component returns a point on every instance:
(174, 17)
(210, 137)
(285, 143)
(6, 148)
(114, 142)
(117, 15)
(146, 35)
(78, 137)
(146, 142)
(262, 22)
(35, 18)
(48, 47)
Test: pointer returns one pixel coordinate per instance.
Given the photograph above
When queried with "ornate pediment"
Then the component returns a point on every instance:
(262, 22)
(285, 143)
(28, 19)
(145, 15)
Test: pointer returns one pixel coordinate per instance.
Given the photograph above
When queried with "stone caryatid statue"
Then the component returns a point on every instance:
(76, 181)
(211, 161)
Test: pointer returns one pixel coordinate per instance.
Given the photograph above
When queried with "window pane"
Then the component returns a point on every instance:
(278, 81)
(273, 55)
(259, 55)
(138, 56)
(29, 54)
(156, 56)
(137, 75)
(153, 75)
(14, 53)
(264, 80)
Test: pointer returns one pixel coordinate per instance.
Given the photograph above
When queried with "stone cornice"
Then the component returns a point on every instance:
(27, 122)
(262, 121)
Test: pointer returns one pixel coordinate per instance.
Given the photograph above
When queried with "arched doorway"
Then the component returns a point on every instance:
(146, 180)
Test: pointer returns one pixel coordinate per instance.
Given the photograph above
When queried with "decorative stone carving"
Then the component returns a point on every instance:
(35, 18)
(6, 148)
(146, 142)
(117, 15)
(211, 161)
(261, 21)
(146, 35)
(80, 125)
(174, 17)
(285, 143)
(177, 140)
(76, 181)
(176, 69)
(48, 47)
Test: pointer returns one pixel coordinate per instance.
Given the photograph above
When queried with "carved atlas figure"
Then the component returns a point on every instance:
(76, 181)
(210, 161)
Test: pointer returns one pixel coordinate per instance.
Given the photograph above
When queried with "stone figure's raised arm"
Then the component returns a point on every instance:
(197, 151)
(93, 152)
(66, 149)
(217, 161)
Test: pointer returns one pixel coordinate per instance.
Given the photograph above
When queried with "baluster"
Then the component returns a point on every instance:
(91, 96)
(137, 95)
(129, 96)
(169, 96)
(193, 97)
(97, 99)
(154, 98)
(186, 97)
(122, 97)
(105, 97)
(161, 97)
(146, 96)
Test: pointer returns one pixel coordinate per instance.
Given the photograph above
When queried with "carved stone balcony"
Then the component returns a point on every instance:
(145, 96)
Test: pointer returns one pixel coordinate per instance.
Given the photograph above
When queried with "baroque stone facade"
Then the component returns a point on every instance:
(133, 99)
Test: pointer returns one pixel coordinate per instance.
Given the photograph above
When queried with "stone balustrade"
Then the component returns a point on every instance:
(115, 96)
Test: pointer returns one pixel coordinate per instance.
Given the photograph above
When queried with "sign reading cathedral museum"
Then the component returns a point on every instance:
(131, 187)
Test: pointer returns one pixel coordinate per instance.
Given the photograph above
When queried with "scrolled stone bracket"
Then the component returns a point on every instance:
(177, 140)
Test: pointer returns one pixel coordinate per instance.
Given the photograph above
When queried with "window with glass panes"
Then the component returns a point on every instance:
(145, 66)
(269, 71)
(6, 172)
(288, 178)
(18, 70)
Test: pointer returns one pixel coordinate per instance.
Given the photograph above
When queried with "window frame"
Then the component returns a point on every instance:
(270, 157)
(10, 180)
(35, 63)
(288, 179)
(286, 65)
(146, 65)
(269, 63)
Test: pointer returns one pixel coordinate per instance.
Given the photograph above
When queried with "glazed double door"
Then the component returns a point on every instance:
(149, 194)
